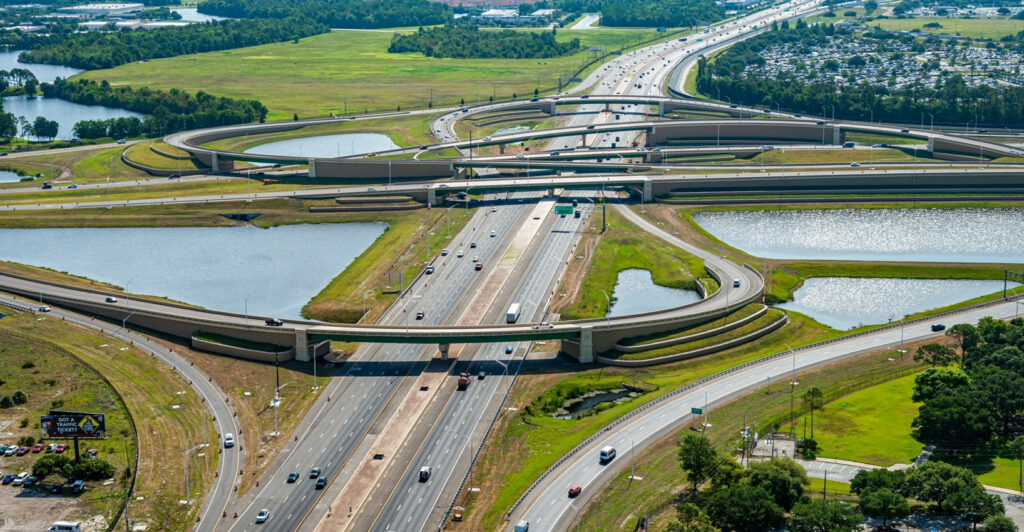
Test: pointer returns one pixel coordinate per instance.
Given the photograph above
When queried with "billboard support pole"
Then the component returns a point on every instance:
(78, 457)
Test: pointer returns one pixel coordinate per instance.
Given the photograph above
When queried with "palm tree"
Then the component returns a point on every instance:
(813, 399)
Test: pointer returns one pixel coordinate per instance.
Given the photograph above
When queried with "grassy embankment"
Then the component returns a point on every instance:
(621, 503)
(75, 369)
(539, 440)
(864, 157)
(985, 28)
(626, 246)
(80, 166)
(140, 153)
(349, 72)
(769, 318)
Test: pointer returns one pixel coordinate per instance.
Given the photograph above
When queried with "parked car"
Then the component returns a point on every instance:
(30, 481)
(22, 451)
(50, 447)
(91, 453)
(61, 447)
(37, 447)
(78, 486)
(20, 479)
(9, 478)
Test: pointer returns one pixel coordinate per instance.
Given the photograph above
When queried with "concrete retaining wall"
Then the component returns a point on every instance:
(241, 352)
(691, 337)
(163, 172)
(698, 352)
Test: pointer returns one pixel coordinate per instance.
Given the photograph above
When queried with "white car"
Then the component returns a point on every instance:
(111, 299)
(44, 308)
(459, 254)
(20, 479)
(263, 516)
(229, 440)
(494, 234)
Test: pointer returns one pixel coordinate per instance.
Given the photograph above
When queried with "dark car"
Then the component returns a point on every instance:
(293, 476)
(30, 481)
(273, 322)
(320, 483)
(936, 327)
(420, 315)
(9, 478)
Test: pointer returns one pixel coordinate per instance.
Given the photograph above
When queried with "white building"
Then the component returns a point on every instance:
(103, 10)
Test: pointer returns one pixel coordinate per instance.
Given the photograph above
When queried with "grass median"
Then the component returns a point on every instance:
(625, 246)
(539, 441)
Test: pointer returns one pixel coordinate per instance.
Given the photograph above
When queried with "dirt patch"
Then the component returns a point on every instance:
(579, 263)
(26, 510)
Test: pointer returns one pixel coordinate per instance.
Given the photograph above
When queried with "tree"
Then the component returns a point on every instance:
(973, 505)
(744, 508)
(784, 489)
(966, 336)
(690, 518)
(999, 523)
(19, 397)
(959, 420)
(1016, 451)
(45, 129)
(8, 126)
(873, 479)
(728, 473)
(813, 399)
(935, 481)
(698, 458)
(31, 86)
(935, 354)
(824, 516)
(883, 503)
(940, 381)
(6, 402)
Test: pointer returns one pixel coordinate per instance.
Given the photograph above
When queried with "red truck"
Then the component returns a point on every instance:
(463, 380)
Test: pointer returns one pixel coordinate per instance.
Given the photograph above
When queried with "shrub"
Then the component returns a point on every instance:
(6, 402)
(19, 397)
(28, 365)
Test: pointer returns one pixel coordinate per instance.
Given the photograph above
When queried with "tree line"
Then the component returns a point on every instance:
(949, 100)
(336, 13)
(169, 111)
(94, 50)
(642, 13)
(466, 41)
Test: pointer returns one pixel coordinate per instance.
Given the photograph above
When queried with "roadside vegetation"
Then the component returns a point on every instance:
(622, 247)
(465, 41)
(63, 366)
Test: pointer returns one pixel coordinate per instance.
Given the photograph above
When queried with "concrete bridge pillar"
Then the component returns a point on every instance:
(607, 106)
(586, 345)
(443, 348)
(551, 108)
(661, 108)
(431, 196)
(312, 168)
(837, 135)
(648, 192)
(931, 144)
(501, 149)
(301, 346)
(214, 162)
(584, 137)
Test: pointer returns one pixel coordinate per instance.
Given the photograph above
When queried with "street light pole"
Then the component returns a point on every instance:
(607, 316)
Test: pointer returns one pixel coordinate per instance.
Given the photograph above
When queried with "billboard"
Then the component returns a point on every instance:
(63, 424)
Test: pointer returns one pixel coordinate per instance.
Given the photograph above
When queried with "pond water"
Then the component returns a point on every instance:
(44, 73)
(848, 302)
(590, 401)
(192, 15)
(274, 271)
(7, 176)
(66, 113)
(928, 235)
(635, 293)
(327, 145)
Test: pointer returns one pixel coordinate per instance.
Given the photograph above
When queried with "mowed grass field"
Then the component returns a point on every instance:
(353, 70)
(987, 28)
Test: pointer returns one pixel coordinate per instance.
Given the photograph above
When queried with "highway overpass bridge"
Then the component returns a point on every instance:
(583, 338)
(657, 133)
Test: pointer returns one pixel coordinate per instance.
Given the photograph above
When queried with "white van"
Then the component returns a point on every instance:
(65, 526)
(523, 526)
(229, 440)
(607, 453)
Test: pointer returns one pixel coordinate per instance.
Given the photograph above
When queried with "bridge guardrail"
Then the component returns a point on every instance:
(696, 384)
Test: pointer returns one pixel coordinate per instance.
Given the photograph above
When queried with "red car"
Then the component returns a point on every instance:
(574, 491)
(37, 448)
(479, 266)
(61, 447)
(92, 453)
(22, 451)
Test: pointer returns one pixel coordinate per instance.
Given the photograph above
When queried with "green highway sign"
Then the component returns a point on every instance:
(696, 411)
(563, 209)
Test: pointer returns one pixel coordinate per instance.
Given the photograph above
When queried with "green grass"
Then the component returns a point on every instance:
(625, 246)
(141, 154)
(987, 28)
(620, 502)
(876, 138)
(720, 322)
(538, 441)
(864, 157)
(770, 317)
(870, 426)
(320, 74)
(818, 487)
